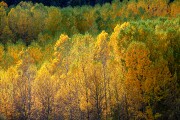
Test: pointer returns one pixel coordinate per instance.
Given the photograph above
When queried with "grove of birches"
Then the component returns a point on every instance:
(115, 61)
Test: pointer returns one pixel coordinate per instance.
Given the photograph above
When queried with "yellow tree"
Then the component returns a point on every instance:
(118, 45)
(12, 54)
(62, 50)
(8, 93)
(26, 75)
(97, 91)
(45, 91)
(52, 80)
(80, 69)
(18, 86)
(35, 52)
(102, 56)
(137, 64)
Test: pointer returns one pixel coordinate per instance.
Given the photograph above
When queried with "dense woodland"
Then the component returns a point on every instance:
(116, 61)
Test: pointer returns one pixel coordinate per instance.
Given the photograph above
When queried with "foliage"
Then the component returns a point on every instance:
(111, 62)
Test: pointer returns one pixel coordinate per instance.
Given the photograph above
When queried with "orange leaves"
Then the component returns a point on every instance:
(175, 10)
(137, 57)
(127, 73)
(35, 52)
(13, 52)
(3, 4)
(132, 6)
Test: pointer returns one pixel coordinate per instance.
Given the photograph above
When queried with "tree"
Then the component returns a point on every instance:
(3, 19)
(137, 63)
(53, 20)
(35, 52)
(62, 50)
(12, 54)
(101, 54)
(7, 35)
(39, 14)
(45, 92)
(82, 56)
(161, 90)
(8, 80)
(26, 76)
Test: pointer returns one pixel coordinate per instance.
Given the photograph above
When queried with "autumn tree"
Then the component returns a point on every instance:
(137, 63)
(53, 20)
(26, 75)
(8, 91)
(3, 22)
(101, 54)
(81, 70)
(45, 92)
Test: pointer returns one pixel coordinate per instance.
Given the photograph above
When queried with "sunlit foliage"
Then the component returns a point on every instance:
(117, 61)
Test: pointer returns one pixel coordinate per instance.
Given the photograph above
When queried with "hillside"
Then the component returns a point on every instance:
(117, 61)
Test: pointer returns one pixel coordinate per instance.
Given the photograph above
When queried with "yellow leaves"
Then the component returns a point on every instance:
(57, 54)
(8, 80)
(68, 80)
(117, 28)
(101, 43)
(35, 52)
(133, 92)
(14, 50)
(52, 67)
(55, 61)
(124, 25)
(19, 63)
(116, 42)
(137, 56)
(132, 7)
(3, 4)
(160, 33)
(142, 4)
(62, 39)
(101, 46)
(102, 38)
(43, 81)
(84, 105)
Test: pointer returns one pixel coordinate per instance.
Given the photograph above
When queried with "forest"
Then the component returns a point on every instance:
(112, 61)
